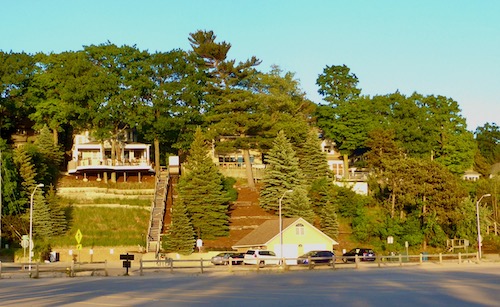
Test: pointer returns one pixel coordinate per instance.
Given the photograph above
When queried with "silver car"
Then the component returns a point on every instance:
(223, 258)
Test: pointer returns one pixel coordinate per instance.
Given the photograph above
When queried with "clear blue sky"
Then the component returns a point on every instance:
(440, 47)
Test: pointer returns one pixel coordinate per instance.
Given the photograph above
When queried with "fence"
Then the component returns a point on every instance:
(72, 269)
(37, 270)
(204, 265)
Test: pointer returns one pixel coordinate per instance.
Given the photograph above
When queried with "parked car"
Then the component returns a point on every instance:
(326, 257)
(261, 257)
(223, 258)
(364, 254)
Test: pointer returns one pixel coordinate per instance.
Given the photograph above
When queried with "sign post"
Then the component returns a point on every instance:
(78, 238)
(126, 261)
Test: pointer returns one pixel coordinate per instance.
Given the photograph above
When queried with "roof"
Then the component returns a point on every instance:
(270, 229)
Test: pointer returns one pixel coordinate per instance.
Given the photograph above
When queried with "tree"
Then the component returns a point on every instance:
(338, 85)
(16, 74)
(27, 173)
(173, 101)
(233, 113)
(311, 159)
(329, 222)
(201, 189)
(283, 173)
(51, 157)
(299, 205)
(180, 237)
(123, 73)
(488, 141)
(10, 185)
(346, 118)
(425, 189)
(57, 213)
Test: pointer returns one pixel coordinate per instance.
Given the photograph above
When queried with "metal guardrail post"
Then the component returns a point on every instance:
(171, 265)
(459, 258)
(440, 258)
(356, 259)
(140, 267)
(230, 264)
(311, 266)
(400, 260)
(379, 260)
(201, 262)
(0, 269)
(421, 258)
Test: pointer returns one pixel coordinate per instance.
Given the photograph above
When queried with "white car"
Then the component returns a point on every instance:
(261, 257)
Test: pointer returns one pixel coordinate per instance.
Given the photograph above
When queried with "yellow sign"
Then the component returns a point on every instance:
(79, 247)
(78, 236)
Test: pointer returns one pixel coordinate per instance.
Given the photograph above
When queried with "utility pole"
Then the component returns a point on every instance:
(0, 199)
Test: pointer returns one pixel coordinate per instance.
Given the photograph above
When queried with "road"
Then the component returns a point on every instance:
(474, 285)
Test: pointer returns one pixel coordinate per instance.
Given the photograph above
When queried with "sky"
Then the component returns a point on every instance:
(433, 47)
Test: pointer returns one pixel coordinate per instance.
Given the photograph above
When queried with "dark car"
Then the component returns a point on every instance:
(326, 257)
(364, 254)
(223, 258)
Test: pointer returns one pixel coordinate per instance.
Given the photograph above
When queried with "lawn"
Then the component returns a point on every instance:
(102, 226)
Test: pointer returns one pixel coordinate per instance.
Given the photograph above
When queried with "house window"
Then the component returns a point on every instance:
(299, 229)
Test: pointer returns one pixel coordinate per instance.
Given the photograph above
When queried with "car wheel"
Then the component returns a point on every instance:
(262, 264)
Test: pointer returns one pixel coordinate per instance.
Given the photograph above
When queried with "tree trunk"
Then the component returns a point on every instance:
(346, 166)
(424, 211)
(248, 166)
(113, 160)
(393, 204)
(156, 143)
(55, 135)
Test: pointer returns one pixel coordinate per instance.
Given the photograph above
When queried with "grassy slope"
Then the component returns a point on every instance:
(103, 226)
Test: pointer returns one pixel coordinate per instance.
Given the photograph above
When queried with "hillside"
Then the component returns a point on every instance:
(245, 216)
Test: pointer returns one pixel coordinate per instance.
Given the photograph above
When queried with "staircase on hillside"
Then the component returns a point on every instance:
(158, 209)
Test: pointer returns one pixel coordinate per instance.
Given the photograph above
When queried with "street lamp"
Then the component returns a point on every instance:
(478, 225)
(281, 225)
(40, 185)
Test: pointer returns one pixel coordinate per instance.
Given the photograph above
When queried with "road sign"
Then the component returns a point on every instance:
(78, 236)
(25, 241)
(79, 247)
(126, 257)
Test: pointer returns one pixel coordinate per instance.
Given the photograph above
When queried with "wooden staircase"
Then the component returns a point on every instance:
(158, 210)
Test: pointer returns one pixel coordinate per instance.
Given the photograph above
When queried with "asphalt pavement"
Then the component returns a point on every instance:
(427, 285)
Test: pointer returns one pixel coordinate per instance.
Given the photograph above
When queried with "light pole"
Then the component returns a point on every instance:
(40, 185)
(281, 225)
(479, 225)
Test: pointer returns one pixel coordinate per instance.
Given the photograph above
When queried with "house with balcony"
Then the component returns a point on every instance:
(91, 158)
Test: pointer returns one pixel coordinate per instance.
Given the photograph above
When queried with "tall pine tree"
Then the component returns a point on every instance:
(202, 191)
(283, 173)
(181, 237)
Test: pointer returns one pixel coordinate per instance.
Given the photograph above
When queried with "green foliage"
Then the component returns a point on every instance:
(298, 205)
(11, 196)
(180, 237)
(329, 222)
(50, 156)
(228, 183)
(488, 140)
(282, 174)
(311, 159)
(201, 189)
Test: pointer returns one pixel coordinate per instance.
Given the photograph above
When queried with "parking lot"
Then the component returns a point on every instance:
(427, 285)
